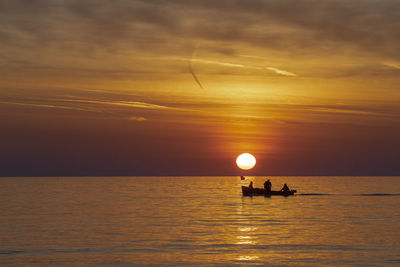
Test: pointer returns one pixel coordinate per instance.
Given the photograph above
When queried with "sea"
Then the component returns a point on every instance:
(198, 221)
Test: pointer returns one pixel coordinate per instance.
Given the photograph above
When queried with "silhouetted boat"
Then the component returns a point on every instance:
(247, 191)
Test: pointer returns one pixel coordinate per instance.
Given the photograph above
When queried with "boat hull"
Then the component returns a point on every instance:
(247, 191)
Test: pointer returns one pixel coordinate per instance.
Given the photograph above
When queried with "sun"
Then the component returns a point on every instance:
(246, 161)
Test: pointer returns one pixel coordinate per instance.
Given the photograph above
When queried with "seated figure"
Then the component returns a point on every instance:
(267, 186)
(285, 188)
(251, 185)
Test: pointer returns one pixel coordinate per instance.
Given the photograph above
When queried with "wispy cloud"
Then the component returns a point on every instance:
(392, 65)
(132, 104)
(281, 72)
(243, 66)
(140, 119)
(89, 105)
(225, 64)
(47, 106)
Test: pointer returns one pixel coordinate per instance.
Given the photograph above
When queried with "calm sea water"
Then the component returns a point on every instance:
(96, 221)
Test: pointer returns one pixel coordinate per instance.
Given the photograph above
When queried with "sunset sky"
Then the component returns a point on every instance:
(182, 87)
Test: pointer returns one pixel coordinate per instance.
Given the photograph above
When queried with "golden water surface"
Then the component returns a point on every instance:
(337, 221)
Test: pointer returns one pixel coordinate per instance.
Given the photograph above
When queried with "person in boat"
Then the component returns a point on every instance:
(251, 185)
(268, 186)
(285, 188)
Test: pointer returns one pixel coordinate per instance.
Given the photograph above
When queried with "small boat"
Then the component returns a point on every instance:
(247, 191)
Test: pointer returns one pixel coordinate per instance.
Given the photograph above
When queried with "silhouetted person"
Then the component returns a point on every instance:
(268, 186)
(285, 188)
(251, 185)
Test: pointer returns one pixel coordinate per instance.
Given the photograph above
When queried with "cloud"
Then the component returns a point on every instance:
(292, 25)
(236, 65)
(46, 106)
(107, 38)
(131, 104)
(281, 72)
(224, 64)
(89, 105)
(140, 119)
(392, 65)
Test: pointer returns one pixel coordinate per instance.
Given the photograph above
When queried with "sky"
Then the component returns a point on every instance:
(182, 87)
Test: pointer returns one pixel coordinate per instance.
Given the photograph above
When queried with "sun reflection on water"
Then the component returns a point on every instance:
(247, 258)
(247, 229)
(246, 239)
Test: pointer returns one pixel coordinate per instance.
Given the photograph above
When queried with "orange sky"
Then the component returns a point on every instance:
(182, 87)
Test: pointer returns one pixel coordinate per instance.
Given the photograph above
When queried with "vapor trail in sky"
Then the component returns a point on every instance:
(191, 66)
(194, 74)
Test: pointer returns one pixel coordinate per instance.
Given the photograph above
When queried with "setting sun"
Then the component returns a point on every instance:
(246, 161)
